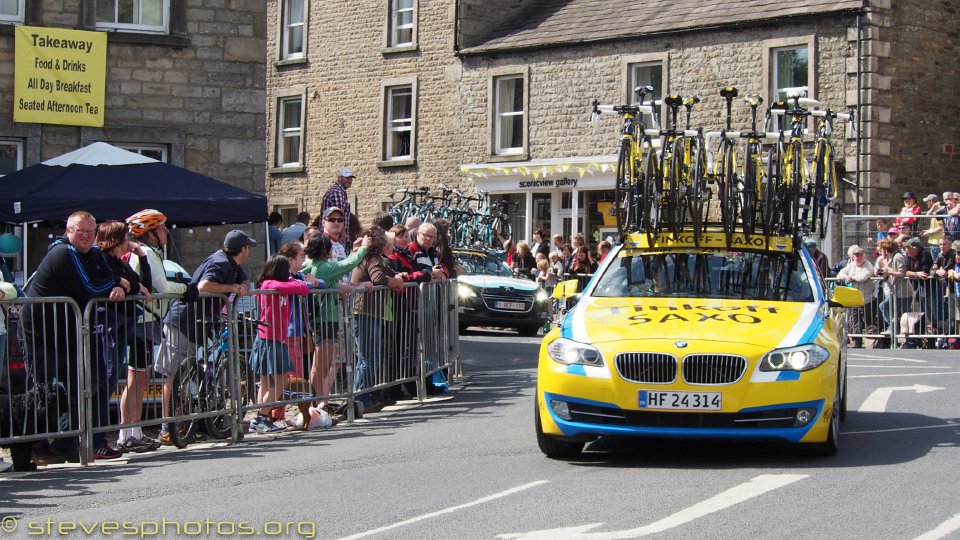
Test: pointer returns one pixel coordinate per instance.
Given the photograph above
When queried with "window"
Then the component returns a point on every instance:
(399, 123)
(289, 132)
(401, 23)
(155, 151)
(11, 11)
(645, 74)
(11, 156)
(133, 15)
(293, 30)
(509, 115)
(789, 70)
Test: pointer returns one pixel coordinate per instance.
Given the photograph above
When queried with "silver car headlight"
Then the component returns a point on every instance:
(801, 358)
(466, 291)
(566, 351)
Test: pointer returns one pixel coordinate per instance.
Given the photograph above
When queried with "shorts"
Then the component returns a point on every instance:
(269, 357)
(325, 331)
(174, 350)
(140, 356)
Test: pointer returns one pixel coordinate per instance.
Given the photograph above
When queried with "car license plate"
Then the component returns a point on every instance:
(700, 401)
(517, 306)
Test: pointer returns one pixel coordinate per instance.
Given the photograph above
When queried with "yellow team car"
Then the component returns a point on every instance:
(677, 340)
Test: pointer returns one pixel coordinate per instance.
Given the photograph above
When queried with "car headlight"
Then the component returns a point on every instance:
(466, 291)
(802, 358)
(541, 295)
(567, 351)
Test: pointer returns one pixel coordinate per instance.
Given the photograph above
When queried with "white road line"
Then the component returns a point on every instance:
(942, 530)
(893, 430)
(482, 500)
(899, 367)
(903, 375)
(883, 358)
(755, 487)
(877, 400)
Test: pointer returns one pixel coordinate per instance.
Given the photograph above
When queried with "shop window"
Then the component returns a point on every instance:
(152, 16)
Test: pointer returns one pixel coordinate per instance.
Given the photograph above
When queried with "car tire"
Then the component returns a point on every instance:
(550, 445)
(528, 331)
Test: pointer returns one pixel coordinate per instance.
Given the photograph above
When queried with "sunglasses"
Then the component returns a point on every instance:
(335, 219)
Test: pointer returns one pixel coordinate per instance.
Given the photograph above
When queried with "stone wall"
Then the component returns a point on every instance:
(200, 91)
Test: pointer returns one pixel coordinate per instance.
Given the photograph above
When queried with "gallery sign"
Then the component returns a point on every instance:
(60, 76)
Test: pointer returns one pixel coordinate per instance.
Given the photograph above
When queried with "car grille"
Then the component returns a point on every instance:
(771, 418)
(493, 295)
(656, 368)
(713, 368)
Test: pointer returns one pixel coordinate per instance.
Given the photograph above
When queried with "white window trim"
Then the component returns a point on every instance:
(627, 64)
(19, 145)
(18, 18)
(139, 148)
(769, 46)
(163, 28)
(278, 136)
(283, 57)
(385, 88)
(512, 153)
(388, 44)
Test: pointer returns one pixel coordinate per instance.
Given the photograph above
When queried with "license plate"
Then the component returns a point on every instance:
(518, 306)
(699, 401)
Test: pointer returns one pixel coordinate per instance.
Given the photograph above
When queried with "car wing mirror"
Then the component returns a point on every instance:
(565, 289)
(846, 297)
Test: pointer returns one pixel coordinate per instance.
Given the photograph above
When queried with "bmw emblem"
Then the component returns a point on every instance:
(681, 344)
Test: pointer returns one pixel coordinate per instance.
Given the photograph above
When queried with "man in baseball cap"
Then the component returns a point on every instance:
(237, 240)
(336, 197)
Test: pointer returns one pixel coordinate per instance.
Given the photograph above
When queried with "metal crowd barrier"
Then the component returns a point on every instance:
(337, 348)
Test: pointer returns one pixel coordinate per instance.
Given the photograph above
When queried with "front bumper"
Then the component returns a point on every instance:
(472, 314)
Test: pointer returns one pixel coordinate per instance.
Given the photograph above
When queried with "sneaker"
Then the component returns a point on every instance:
(43, 456)
(165, 438)
(105, 452)
(255, 424)
(5, 465)
(139, 446)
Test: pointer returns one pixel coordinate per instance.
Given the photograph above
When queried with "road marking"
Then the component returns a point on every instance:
(482, 500)
(884, 358)
(899, 367)
(877, 401)
(738, 494)
(903, 375)
(893, 430)
(942, 530)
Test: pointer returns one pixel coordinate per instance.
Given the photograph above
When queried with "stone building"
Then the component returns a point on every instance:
(184, 84)
(495, 94)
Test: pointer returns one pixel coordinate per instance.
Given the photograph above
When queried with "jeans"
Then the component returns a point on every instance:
(901, 305)
(368, 352)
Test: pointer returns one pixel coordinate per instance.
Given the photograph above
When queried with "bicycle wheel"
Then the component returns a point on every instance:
(219, 396)
(774, 194)
(649, 203)
(729, 201)
(699, 196)
(676, 196)
(750, 191)
(624, 190)
(185, 400)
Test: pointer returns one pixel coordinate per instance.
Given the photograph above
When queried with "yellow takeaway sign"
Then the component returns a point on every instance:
(60, 76)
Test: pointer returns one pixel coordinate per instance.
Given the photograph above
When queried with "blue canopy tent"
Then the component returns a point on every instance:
(112, 183)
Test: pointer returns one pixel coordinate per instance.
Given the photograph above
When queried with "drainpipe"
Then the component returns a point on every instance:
(859, 125)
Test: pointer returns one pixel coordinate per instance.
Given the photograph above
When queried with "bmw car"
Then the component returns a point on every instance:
(683, 340)
(490, 295)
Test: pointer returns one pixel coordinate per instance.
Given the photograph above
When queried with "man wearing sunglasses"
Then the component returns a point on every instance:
(336, 197)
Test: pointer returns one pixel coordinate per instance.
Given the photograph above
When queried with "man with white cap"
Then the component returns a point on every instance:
(336, 197)
(859, 273)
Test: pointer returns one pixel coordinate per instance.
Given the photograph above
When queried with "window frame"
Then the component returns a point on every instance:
(284, 57)
(18, 144)
(19, 17)
(503, 153)
(386, 89)
(389, 43)
(770, 48)
(141, 148)
(631, 62)
(277, 148)
(163, 28)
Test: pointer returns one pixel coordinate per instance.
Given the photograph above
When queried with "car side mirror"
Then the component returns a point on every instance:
(846, 297)
(565, 289)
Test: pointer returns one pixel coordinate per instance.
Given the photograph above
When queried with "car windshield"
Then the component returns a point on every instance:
(482, 264)
(698, 274)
